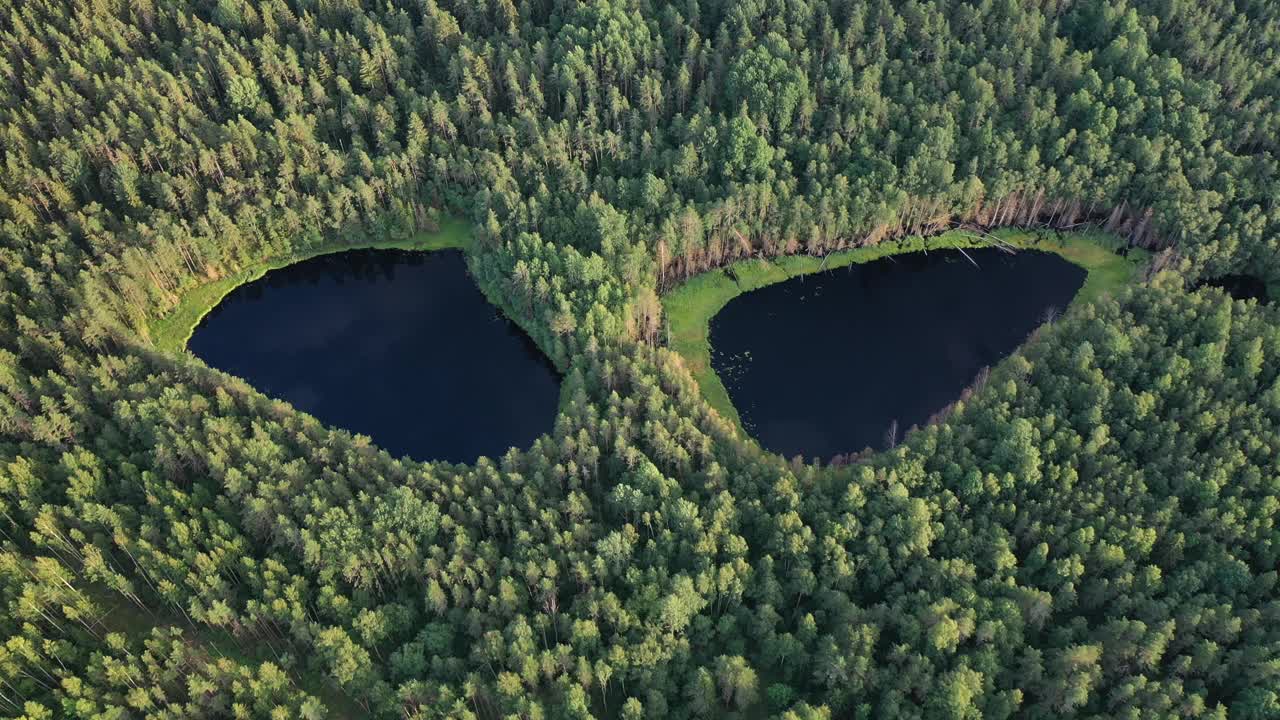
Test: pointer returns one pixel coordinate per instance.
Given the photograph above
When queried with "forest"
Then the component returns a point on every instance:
(1090, 533)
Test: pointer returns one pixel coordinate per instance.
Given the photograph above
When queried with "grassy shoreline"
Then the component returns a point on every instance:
(172, 332)
(690, 306)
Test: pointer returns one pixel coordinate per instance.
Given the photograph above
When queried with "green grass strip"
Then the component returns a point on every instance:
(172, 332)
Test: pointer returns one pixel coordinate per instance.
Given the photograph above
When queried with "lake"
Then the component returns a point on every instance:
(823, 364)
(398, 345)
(1240, 287)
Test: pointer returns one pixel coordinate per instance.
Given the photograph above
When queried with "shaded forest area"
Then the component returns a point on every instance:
(1092, 534)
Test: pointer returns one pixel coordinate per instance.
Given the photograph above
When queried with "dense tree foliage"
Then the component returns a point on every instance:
(1091, 533)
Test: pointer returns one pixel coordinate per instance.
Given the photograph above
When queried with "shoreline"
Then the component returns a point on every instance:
(689, 306)
(171, 333)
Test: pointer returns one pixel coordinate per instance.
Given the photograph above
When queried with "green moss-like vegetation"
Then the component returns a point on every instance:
(171, 333)
(690, 307)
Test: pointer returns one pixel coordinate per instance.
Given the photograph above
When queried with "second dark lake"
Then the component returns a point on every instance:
(1240, 287)
(400, 346)
(823, 364)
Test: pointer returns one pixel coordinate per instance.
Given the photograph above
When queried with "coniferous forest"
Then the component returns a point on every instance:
(1091, 532)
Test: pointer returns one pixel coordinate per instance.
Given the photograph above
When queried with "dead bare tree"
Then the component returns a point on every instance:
(891, 435)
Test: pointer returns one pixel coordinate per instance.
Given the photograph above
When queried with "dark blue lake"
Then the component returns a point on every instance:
(1240, 287)
(400, 346)
(823, 364)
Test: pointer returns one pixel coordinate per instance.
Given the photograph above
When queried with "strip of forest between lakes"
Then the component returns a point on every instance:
(1108, 263)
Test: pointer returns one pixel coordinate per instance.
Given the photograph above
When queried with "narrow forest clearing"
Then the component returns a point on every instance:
(690, 306)
(171, 333)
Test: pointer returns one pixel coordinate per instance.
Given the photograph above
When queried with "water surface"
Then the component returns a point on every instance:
(400, 346)
(1240, 287)
(824, 364)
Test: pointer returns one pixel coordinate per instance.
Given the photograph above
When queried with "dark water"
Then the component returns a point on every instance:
(823, 364)
(1240, 287)
(400, 346)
